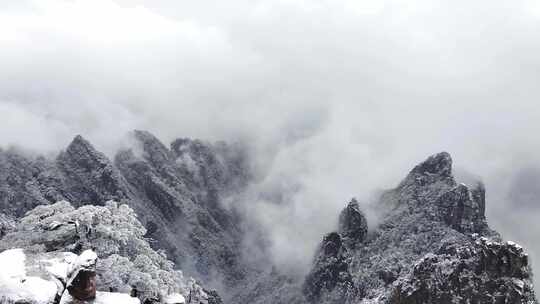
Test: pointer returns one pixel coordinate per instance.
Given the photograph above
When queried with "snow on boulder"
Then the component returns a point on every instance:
(87, 259)
(102, 298)
(60, 265)
(16, 286)
(82, 278)
(114, 298)
(174, 298)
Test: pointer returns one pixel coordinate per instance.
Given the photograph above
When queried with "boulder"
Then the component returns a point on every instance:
(174, 298)
(82, 279)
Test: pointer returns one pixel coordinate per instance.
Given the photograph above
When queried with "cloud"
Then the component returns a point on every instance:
(337, 98)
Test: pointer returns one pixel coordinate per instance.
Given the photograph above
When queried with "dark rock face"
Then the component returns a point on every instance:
(7, 223)
(176, 193)
(352, 225)
(83, 285)
(330, 280)
(461, 211)
(433, 245)
(213, 297)
(486, 272)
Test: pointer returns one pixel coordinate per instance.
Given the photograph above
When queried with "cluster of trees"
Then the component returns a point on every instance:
(126, 259)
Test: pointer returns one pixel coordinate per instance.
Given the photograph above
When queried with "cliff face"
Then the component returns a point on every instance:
(433, 245)
(175, 192)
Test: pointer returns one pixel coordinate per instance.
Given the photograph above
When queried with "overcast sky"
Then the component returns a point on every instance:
(338, 97)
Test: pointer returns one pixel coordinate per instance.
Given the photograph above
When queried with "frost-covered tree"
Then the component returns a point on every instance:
(126, 258)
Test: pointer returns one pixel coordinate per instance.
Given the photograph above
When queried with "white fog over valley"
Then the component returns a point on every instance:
(333, 99)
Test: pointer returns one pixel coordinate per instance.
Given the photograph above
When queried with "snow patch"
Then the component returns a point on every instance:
(174, 298)
(16, 286)
(114, 298)
(515, 245)
(87, 259)
(103, 298)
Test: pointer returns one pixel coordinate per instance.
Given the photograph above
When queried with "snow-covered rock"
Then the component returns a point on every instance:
(41, 278)
(102, 298)
(174, 298)
(433, 245)
(81, 282)
(17, 286)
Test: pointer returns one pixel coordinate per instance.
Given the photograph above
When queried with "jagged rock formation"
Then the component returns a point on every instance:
(176, 192)
(330, 273)
(331, 270)
(488, 272)
(433, 246)
(352, 225)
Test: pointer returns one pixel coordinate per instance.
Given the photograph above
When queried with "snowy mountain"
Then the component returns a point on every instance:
(431, 242)
(174, 191)
(432, 245)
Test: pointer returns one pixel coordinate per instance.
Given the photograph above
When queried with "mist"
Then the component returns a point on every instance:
(337, 98)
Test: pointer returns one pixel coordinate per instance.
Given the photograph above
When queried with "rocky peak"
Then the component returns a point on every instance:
(89, 175)
(481, 271)
(439, 164)
(153, 149)
(436, 168)
(352, 224)
(81, 152)
(330, 279)
(431, 191)
(433, 245)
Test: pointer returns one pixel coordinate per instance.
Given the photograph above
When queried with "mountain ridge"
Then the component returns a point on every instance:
(431, 242)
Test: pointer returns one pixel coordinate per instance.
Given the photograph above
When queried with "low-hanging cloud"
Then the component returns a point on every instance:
(338, 98)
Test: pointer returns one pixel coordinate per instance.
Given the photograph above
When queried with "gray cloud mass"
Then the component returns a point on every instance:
(338, 98)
